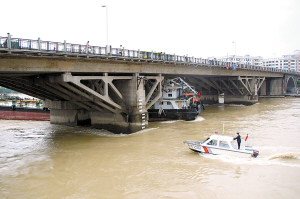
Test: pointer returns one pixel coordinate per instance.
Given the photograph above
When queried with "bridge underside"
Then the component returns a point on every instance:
(237, 90)
(113, 91)
(119, 102)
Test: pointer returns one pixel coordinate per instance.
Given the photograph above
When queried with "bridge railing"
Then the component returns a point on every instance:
(68, 48)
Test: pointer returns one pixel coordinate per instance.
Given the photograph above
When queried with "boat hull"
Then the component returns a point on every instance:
(198, 147)
(172, 114)
(23, 113)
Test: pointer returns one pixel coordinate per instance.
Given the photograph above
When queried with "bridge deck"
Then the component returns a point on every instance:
(17, 47)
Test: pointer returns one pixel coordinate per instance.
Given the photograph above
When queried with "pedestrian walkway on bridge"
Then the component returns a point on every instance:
(31, 47)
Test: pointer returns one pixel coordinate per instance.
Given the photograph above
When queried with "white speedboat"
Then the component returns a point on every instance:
(221, 145)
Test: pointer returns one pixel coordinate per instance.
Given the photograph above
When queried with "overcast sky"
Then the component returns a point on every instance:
(200, 28)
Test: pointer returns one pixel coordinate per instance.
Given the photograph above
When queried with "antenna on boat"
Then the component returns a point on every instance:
(223, 129)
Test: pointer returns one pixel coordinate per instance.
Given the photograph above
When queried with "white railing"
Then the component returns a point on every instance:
(68, 48)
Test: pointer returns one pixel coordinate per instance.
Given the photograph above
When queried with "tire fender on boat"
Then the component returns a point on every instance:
(13, 107)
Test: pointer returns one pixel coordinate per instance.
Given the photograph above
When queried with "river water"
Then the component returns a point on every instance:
(40, 160)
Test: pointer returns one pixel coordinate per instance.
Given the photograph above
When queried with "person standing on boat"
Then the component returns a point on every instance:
(238, 139)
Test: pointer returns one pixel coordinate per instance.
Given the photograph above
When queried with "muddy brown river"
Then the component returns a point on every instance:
(41, 160)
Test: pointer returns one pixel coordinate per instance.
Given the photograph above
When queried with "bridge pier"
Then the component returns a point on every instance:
(272, 87)
(290, 84)
(69, 117)
(240, 99)
(116, 103)
(247, 88)
(137, 117)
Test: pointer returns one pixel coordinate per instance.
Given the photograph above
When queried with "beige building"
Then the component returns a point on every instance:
(290, 62)
(247, 60)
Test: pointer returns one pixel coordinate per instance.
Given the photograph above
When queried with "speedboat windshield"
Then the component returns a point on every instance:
(213, 142)
(233, 145)
(205, 140)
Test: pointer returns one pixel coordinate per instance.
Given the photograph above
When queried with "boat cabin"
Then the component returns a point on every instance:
(177, 94)
(220, 141)
(171, 99)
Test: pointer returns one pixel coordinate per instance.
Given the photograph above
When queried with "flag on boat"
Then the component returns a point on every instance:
(216, 132)
(246, 138)
(199, 94)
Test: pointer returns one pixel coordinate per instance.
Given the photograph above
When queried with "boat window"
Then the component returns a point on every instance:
(213, 142)
(170, 95)
(233, 145)
(223, 144)
(169, 103)
(206, 140)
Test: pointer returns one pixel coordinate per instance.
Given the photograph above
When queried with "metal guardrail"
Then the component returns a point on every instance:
(9, 43)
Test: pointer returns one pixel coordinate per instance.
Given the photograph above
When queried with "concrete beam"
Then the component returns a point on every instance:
(224, 83)
(62, 65)
(218, 87)
(244, 85)
(208, 82)
(237, 88)
(158, 84)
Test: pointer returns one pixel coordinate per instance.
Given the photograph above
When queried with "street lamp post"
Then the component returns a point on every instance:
(275, 61)
(234, 49)
(105, 6)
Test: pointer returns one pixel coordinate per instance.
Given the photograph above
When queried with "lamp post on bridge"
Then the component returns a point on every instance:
(234, 49)
(275, 61)
(105, 6)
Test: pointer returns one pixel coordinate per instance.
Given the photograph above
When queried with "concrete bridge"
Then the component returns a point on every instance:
(113, 88)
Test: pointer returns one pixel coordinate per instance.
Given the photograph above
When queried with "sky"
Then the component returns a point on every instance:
(199, 28)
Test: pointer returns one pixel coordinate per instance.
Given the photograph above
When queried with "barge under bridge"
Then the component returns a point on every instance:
(112, 89)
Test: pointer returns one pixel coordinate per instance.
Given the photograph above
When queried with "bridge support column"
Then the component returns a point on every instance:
(137, 117)
(240, 99)
(115, 103)
(64, 117)
(272, 87)
(66, 113)
(276, 86)
(248, 89)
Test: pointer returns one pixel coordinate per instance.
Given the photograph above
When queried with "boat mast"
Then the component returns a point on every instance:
(223, 129)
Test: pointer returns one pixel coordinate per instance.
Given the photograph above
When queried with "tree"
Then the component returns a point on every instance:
(4, 90)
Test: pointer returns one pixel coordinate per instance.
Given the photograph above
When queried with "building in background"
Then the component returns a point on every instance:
(288, 62)
(246, 60)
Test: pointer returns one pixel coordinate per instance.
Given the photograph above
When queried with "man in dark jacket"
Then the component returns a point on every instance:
(238, 139)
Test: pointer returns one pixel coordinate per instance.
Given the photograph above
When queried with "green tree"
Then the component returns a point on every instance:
(4, 90)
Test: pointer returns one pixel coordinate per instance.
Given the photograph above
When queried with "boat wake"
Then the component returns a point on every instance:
(105, 133)
(281, 159)
(145, 130)
(170, 121)
(236, 105)
(289, 155)
(198, 119)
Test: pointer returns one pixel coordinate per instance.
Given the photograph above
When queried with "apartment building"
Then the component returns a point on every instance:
(247, 59)
(290, 62)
